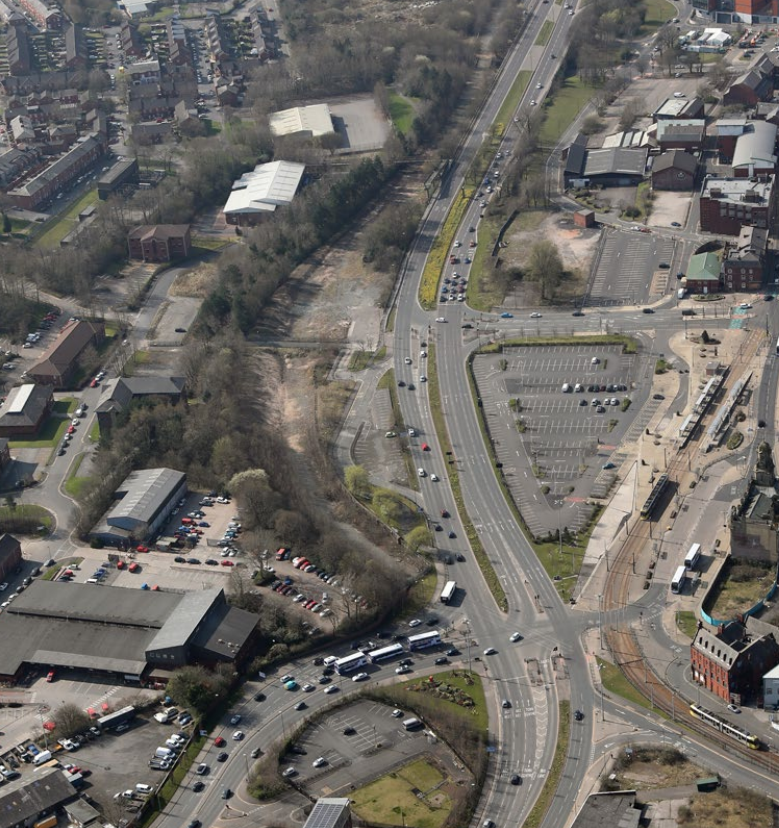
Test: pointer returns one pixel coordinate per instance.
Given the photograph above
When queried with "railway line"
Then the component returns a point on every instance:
(621, 639)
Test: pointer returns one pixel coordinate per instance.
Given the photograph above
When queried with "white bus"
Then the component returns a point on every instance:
(351, 662)
(693, 555)
(386, 653)
(448, 592)
(428, 639)
(680, 576)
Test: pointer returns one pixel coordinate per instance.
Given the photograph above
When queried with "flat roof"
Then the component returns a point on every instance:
(20, 398)
(328, 812)
(741, 190)
(266, 187)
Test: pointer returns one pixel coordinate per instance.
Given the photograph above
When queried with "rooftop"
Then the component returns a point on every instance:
(23, 800)
(625, 161)
(756, 146)
(314, 119)
(675, 159)
(24, 406)
(266, 187)
(328, 812)
(142, 494)
(738, 189)
(704, 267)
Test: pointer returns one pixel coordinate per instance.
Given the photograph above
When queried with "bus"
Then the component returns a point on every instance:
(386, 653)
(117, 718)
(654, 497)
(351, 662)
(738, 733)
(680, 576)
(423, 640)
(448, 592)
(693, 556)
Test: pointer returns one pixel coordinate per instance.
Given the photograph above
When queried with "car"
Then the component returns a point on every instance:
(533, 102)
(415, 622)
(506, 315)
(578, 715)
(768, 297)
(360, 677)
(664, 266)
(467, 326)
(506, 704)
(211, 562)
(452, 533)
(734, 708)
(607, 466)
(422, 378)
(440, 319)
(577, 313)
(234, 720)
(658, 397)
(679, 95)
(179, 559)
(181, 330)
(255, 753)
(259, 697)
(226, 793)
(411, 386)
(407, 360)
(675, 224)
(226, 563)
(516, 779)
(333, 688)
(583, 403)
(515, 637)
(197, 786)
(308, 688)
(647, 310)
(535, 315)
(301, 706)
(289, 772)
(423, 354)
(50, 675)
(412, 432)
(219, 741)
(391, 434)
(324, 680)
(745, 305)
(402, 670)
(222, 756)
(442, 660)
(319, 762)
(490, 651)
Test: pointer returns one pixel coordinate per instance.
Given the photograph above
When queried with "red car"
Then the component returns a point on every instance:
(133, 567)
(141, 548)
(93, 384)
(71, 429)
(227, 563)
(425, 447)
(219, 741)
(120, 564)
(50, 676)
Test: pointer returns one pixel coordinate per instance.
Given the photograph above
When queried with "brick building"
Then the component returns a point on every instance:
(703, 273)
(727, 204)
(59, 362)
(160, 242)
(687, 135)
(744, 264)
(731, 661)
(10, 556)
(674, 170)
(756, 84)
(25, 409)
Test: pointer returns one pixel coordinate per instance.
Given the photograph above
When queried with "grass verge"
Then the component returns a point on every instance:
(545, 34)
(401, 112)
(658, 12)
(74, 484)
(49, 434)
(388, 382)
(562, 106)
(615, 682)
(360, 360)
(94, 432)
(67, 405)
(60, 227)
(686, 623)
(537, 814)
(510, 104)
(487, 570)
(50, 573)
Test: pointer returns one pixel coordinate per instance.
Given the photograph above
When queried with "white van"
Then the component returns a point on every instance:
(40, 758)
(566, 388)
(164, 753)
(143, 788)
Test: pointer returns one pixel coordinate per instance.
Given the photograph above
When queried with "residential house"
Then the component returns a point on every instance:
(674, 170)
(727, 204)
(132, 43)
(119, 394)
(756, 84)
(160, 242)
(25, 409)
(59, 362)
(17, 46)
(47, 14)
(731, 661)
(76, 49)
(14, 163)
(743, 268)
(703, 273)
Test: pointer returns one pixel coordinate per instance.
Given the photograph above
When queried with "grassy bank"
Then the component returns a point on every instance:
(546, 33)
(536, 816)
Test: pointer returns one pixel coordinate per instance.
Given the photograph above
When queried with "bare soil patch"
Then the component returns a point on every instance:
(195, 283)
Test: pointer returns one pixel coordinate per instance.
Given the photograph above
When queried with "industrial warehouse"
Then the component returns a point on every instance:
(134, 636)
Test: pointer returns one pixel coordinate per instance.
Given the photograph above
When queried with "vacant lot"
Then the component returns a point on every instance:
(740, 587)
(414, 795)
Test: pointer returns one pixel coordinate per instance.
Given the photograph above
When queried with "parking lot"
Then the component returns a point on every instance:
(378, 744)
(557, 420)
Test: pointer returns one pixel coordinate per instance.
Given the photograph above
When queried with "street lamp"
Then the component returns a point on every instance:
(600, 619)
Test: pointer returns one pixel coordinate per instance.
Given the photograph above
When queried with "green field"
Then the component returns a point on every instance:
(468, 683)
(401, 112)
(565, 105)
(26, 510)
(687, 623)
(413, 796)
(658, 12)
(614, 682)
(74, 484)
(61, 226)
(545, 34)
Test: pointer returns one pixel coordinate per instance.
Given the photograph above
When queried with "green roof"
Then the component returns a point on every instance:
(704, 267)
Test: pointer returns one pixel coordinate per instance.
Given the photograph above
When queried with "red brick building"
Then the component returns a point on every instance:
(160, 242)
(743, 267)
(731, 661)
(10, 556)
(728, 204)
(674, 170)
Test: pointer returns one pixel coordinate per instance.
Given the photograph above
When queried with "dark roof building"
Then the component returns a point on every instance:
(118, 395)
(613, 167)
(160, 242)
(731, 661)
(143, 504)
(58, 363)
(76, 50)
(120, 632)
(117, 176)
(674, 170)
(24, 801)
(744, 264)
(25, 408)
(756, 84)
(676, 134)
(616, 809)
(10, 555)
(17, 45)
(330, 812)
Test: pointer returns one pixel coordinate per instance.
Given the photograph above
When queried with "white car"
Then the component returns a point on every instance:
(421, 472)
(412, 432)
(535, 315)
(397, 714)
(320, 762)
(400, 671)
(360, 677)
(238, 736)
(440, 319)
(289, 772)
(434, 478)
(415, 622)
(532, 103)
(423, 354)
(423, 378)
(202, 769)
(539, 86)
(74, 422)
(331, 688)
(308, 688)
(515, 637)
(458, 244)
(407, 360)
(143, 788)
(490, 651)
(745, 305)
(679, 95)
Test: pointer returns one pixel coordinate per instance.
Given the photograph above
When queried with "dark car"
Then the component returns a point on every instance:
(297, 749)
(193, 560)
(221, 757)
(460, 557)
(411, 386)
(301, 706)
(516, 779)
(324, 679)
(349, 731)
(194, 823)
(444, 513)
(259, 697)
(439, 528)
(768, 297)
(467, 326)
(578, 313)
(198, 785)
(647, 310)
(179, 559)
(664, 266)
(212, 562)
(407, 662)
(453, 651)
(442, 660)
(578, 715)
(401, 384)
(319, 661)
(181, 330)
(452, 533)
(226, 793)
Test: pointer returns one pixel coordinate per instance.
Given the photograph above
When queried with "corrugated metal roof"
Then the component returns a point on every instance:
(144, 492)
(756, 146)
(328, 812)
(314, 119)
(266, 187)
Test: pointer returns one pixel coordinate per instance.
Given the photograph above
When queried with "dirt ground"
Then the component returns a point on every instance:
(195, 283)
(577, 248)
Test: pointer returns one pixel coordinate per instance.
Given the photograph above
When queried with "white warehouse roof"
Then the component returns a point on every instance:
(265, 188)
(314, 119)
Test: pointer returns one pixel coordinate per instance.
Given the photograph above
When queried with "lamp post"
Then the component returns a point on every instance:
(600, 619)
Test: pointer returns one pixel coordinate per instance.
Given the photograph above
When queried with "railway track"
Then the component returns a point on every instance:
(621, 639)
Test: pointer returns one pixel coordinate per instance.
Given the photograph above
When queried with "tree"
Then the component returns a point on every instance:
(357, 481)
(545, 266)
(196, 688)
(70, 719)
